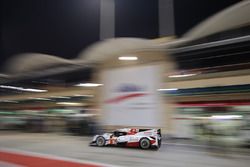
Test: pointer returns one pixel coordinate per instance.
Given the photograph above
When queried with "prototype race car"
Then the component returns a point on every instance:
(130, 137)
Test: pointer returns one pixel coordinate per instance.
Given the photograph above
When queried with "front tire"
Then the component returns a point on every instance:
(100, 141)
(145, 143)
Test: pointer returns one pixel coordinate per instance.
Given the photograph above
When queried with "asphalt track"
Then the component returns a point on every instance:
(74, 151)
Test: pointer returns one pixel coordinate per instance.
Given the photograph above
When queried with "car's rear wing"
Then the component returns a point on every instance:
(159, 132)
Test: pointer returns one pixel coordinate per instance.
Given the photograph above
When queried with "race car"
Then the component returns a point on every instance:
(130, 137)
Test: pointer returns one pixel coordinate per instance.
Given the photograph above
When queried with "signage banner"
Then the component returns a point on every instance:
(130, 96)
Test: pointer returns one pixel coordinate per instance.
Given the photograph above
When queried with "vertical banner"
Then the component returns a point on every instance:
(130, 96)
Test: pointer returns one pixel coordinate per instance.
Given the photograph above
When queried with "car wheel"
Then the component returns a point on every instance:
(145, 143)
(100, 141)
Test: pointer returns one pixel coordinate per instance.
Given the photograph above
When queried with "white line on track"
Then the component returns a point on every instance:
(205, 152)
(181, 144)
(7, 164)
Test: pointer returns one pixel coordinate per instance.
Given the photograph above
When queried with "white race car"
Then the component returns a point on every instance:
(130, 137)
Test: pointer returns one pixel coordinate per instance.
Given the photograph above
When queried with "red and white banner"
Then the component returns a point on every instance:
(130, 96)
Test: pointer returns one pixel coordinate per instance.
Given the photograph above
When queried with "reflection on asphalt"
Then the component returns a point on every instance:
(77, 147)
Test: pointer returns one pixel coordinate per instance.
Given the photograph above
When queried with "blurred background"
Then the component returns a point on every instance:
(84, 67)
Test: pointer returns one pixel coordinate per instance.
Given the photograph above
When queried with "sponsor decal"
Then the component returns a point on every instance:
(129, 90)
(147, 133)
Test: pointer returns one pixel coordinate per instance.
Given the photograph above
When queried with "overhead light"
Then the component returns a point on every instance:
(39, 98)
(78, 95)
(89, 84)
(8, 101)
(168, 89)
(60, 97)
(22, 89)
(83, 115)
(3, 76)
(226, 116)
(69, 103)
(128, 58)
(181, 75)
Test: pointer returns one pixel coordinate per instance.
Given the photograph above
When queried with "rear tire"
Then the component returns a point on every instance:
(100, 141)
(145, 143)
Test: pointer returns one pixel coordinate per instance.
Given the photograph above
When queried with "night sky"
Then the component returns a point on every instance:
(57, 27)
(188, 13)
(65, 27)
(136, 18)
